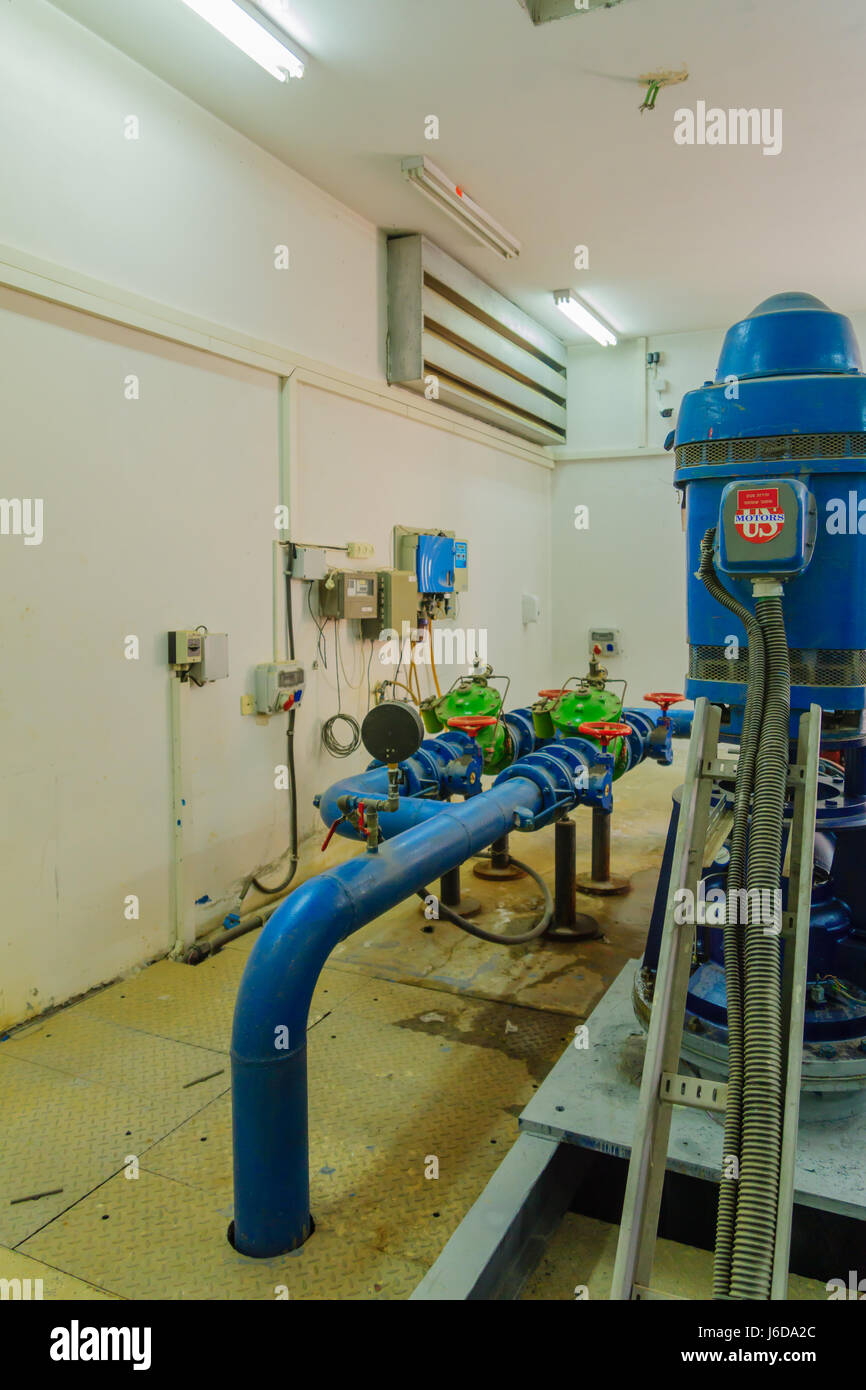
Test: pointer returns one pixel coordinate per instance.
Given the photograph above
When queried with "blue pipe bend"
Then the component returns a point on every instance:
(269, 1070)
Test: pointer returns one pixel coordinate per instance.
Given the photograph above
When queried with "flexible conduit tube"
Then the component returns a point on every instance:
(755, 1229)
(732, 933)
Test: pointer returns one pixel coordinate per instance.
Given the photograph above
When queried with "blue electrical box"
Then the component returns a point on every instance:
(766, 528)
(436, 562)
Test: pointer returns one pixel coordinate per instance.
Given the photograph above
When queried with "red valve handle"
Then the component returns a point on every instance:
(664, 698)
(604, 732)
(551, 694)
(472, 724)
(331, 829)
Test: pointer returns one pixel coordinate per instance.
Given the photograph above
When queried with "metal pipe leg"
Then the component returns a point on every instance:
(599, 879)
(568, 924)
(450, 895)
(500, 865)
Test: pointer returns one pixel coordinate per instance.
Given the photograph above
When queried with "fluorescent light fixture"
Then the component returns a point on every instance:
(451, 199)
(576, 310)
(238, 25)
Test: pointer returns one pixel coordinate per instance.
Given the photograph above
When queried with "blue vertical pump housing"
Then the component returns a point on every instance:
(772, 455)
(788, 403)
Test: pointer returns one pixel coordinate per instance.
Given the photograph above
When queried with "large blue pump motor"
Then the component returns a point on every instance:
(772, 454)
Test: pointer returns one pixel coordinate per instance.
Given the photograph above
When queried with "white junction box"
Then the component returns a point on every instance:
(214, 662)
(310, 562)
(278, 686)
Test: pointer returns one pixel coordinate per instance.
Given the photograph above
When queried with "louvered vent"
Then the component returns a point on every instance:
(540, 11)
(458, 341)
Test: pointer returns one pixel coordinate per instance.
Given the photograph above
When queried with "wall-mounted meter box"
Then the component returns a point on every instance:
(397, 604)
(348, 594)
(184, 647)
(279, 685)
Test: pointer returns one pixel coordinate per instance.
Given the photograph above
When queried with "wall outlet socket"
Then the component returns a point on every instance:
(248, 704)
(360, 550)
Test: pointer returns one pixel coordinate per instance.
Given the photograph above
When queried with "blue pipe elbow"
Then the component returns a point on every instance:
(269, 1071)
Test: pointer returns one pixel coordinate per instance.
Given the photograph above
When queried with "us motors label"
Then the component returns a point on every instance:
(758, 517)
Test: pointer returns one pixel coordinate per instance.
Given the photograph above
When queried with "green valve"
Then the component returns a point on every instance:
(473, 696)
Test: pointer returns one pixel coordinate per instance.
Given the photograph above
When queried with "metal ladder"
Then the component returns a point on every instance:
(662, 1085)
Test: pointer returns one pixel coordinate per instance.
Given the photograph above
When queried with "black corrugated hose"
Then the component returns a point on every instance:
(763, 1086)
(733, 930)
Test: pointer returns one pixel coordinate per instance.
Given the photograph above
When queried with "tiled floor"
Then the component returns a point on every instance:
(115, 1168)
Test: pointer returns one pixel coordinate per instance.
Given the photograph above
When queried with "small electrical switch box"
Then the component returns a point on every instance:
(213, 665)
(360, 550)
(604, 641)
(348, 594)
(184, 647)
(309, 563)
(279, 686)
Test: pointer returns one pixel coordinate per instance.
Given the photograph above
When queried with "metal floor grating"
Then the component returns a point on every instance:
(397, 1074)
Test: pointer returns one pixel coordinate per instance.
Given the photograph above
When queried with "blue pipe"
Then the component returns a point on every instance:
(269, 1068)
(424, 778)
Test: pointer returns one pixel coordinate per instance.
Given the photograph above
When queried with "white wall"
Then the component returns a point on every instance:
(365, 470)
(159, 512)
(188, 214)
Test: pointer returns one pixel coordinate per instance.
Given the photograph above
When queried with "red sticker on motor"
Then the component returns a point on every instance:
(758, 517)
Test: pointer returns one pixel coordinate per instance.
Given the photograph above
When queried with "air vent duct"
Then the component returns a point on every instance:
(453, 338)
(540, 11)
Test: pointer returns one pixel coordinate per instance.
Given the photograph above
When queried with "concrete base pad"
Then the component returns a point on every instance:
(588, 1105)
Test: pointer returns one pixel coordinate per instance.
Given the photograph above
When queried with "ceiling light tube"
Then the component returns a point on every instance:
(236, 24)
(451, 199)
(584, 318)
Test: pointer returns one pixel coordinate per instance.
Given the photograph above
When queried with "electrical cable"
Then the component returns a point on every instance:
(369, 664)
(433, 665)
(337, 747)
(763, 1052)
(732, 934)
(521, 938)
(290, 760)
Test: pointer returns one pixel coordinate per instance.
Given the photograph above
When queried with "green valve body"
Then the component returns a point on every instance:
(470, 697)
(586, 704)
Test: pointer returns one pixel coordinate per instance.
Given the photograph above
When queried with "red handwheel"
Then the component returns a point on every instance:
(664, 699)
(604, 733)
(472, 724)
(551, 694)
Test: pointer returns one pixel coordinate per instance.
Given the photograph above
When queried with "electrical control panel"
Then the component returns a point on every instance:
(439, 561)
(279, 685)
(348, 594)
(184, 647)
(766, 528)
(604, 641)
(397, 604)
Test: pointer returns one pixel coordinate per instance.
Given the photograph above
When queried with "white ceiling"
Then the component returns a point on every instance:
(541, 126)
